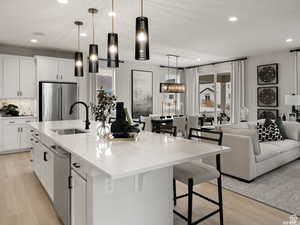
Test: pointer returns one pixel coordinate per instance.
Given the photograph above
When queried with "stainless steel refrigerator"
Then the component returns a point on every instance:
(55, 99)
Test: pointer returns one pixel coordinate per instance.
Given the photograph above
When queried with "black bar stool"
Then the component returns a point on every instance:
(193, 173)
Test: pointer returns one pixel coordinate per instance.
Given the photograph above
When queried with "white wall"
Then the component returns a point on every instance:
(286, 85)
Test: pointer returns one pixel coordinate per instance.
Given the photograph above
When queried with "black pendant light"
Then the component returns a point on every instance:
(112, 43)
(93, 50)
(78, 72)
(142, 36)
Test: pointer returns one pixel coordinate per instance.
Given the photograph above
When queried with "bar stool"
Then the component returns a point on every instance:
(193, 173)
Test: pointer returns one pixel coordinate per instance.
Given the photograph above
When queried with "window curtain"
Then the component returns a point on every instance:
(237, 89)
(192, 98)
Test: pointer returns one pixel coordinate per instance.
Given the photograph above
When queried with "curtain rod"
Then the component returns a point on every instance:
(295, 50)
(172, 67)
(215, 63)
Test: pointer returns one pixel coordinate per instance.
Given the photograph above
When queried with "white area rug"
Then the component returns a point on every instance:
(279, 188)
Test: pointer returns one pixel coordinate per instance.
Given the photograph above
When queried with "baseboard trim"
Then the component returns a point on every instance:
(15, 151)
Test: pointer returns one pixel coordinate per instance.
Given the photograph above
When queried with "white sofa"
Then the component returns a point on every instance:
(250, 159)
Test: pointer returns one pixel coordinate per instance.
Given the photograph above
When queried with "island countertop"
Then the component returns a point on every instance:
(120, 159)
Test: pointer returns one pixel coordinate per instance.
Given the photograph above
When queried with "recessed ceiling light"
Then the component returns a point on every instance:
(112, 14)
(63, 1)
(198, 60)
(33, 41)
(83, 34)
(289, 40)
(233, 19)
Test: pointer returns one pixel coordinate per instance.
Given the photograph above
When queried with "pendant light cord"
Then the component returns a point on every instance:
(142, 8)
(113, 15)
(168, 67)
(93, 28)
(78, 37)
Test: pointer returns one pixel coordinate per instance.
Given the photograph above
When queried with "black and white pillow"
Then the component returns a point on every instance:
(268, 133)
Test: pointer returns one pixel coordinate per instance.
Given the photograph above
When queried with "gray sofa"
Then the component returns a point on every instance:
(249, 159)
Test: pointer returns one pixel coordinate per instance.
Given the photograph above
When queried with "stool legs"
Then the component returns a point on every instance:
(174, 191)
(190, 201)
(218, 161)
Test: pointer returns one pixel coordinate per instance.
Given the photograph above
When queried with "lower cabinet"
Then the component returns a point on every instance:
(43, 165)
(79, 200)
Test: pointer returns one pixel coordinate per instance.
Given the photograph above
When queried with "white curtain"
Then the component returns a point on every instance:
(192, 98)
(237, 89)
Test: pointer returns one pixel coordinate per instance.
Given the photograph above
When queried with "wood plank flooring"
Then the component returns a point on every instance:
(24, 202)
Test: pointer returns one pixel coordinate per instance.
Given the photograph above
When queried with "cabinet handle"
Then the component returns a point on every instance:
(11, 122)
(70, 182)
(45, 156)
(31, 131)
(37, 135)
(21, 93)
(36, 142)
(76, 165)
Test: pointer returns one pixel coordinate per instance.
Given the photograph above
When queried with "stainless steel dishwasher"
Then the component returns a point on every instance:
(62, 184)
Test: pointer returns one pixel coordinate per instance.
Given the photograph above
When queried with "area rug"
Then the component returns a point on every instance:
(279, 188)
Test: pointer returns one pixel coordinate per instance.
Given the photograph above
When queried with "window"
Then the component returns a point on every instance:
(215, 96)
(105, 79)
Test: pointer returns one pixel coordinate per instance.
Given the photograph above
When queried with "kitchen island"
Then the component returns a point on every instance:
(119, 182)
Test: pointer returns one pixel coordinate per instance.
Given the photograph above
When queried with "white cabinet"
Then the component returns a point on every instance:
(11, 75)
(55, 69)
(11, 136)
(79, 200)
(15, 134)
(18, 77)
(43, 165)
(27, 77)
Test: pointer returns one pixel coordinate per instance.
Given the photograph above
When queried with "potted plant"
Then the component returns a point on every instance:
(106, 103)
(10, 110)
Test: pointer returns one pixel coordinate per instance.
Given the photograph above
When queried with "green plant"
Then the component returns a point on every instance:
(10, 109)
(106, 102)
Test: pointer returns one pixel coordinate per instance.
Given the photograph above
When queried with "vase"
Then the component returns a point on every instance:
(103, 130)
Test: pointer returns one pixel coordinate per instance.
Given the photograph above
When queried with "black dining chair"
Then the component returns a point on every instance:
(193, 173)
(166, 129)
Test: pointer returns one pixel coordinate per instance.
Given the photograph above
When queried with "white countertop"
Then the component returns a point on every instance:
(15, 117)
(120, 159)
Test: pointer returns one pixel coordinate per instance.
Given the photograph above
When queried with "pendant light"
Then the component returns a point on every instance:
(78, 72)
(93, 50)
(172, 87)
(112, 43)
(142, 36)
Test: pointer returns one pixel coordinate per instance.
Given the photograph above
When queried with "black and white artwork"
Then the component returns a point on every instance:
(267, 74)
(267, 113)
(267, 96)
(142, 93)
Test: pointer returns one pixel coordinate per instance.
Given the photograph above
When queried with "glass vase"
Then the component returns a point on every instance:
(103, 130)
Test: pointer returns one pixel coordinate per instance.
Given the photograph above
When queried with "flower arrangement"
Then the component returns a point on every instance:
(106, 103)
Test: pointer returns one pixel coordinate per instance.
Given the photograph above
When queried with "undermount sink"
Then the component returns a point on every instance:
(68, 131)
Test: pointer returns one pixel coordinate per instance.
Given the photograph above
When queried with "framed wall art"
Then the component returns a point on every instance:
(267, 74)
(267, 96)
(141, 93)
(267, 113)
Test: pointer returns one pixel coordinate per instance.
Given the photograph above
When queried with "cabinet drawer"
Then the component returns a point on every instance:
(79, 166)
(19, 121)
(12, 121)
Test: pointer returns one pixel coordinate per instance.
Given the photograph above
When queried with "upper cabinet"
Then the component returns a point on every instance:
(18, 77)
(55, 69)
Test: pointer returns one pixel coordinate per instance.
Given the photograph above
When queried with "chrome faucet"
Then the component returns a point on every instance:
(87, 121)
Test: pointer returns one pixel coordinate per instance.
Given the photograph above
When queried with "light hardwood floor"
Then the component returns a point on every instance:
(24, 202)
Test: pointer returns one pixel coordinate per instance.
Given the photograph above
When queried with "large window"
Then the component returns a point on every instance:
(105, 79)
(215, 96)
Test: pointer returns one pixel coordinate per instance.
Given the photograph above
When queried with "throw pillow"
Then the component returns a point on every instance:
(280, 126)
(270, 133)
(268, 122)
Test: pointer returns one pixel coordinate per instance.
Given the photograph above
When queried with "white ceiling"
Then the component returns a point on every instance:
(189, 28)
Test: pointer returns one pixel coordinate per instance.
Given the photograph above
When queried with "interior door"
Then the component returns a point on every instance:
(69, 96)
(50, 101)
(11, 76)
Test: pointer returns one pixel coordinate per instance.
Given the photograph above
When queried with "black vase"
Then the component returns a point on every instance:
(120, 128)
